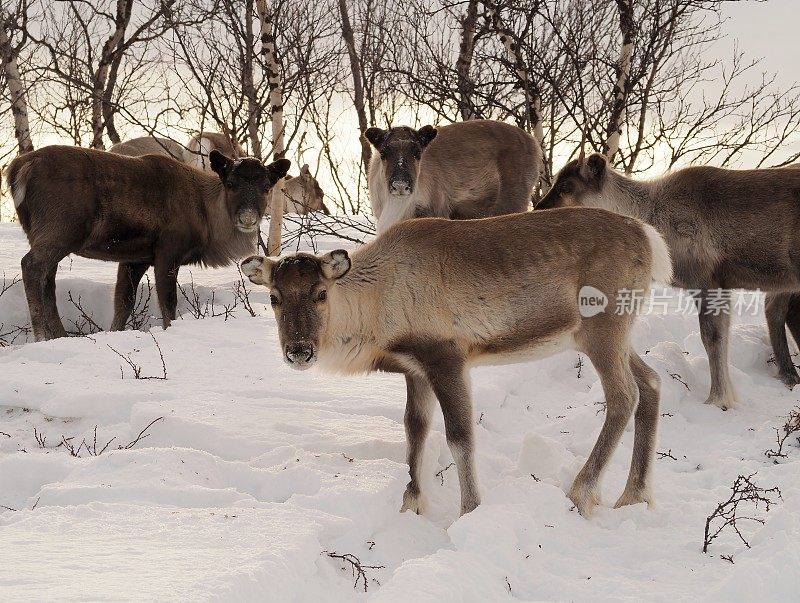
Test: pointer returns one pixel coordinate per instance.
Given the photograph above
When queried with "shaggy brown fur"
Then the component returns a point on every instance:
(139, 212)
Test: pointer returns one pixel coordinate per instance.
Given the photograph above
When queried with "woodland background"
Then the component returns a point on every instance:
(639, 77)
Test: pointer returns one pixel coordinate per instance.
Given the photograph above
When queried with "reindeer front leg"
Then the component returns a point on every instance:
(419, 404)
(447, 373)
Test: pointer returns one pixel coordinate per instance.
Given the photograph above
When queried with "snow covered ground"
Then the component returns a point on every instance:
(252, 473)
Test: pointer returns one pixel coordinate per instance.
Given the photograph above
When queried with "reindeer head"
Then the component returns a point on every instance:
(299, 286)
(577, 183)
(247, 182)
(400, 150)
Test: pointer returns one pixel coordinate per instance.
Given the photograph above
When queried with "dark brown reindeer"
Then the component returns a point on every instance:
(471, 169)
(419, 300)
(138, 211)
(727, 229)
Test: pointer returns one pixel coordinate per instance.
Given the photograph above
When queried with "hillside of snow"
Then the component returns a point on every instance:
(237, 479)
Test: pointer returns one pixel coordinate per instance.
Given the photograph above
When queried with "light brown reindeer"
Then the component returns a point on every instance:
(302, 194)
(195, 153)
(138, 211)
(727, 229)
(471, 169)
(419, 300)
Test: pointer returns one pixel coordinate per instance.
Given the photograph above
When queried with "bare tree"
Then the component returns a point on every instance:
(358, 86)
(11, 24)
(620, 92)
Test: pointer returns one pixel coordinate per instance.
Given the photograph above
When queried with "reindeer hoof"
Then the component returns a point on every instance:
(413, 501)
(634, 498)
(722, 402)
(790, 379)
(584, 499)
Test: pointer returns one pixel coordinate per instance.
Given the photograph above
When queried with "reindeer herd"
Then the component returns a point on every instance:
(460, 274)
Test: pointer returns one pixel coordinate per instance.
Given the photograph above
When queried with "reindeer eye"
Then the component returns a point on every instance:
(228, 184)
(323, 295)
(273, 300)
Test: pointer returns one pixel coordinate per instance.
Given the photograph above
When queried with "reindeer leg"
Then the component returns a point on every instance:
(54, 325)
(638, 488)
(166, 273)
(612, 365)
(776, 310)
(419, 404)
(793, 320)
(714, 329)
(128, 277)
(447, 374)
(39, 278)
(34, 274)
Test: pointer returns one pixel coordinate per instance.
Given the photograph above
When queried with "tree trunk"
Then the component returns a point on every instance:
(358, 86)
(276, 100)
(248, 87)
(19, 103)
(533, 99)
(620, 92)
(465, 51)
(100, 78)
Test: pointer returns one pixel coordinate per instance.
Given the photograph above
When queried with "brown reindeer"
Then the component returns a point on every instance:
(138, 211)
(303, 194)
(195, 153)
(727, 229)
(420, 301)
(471, 169)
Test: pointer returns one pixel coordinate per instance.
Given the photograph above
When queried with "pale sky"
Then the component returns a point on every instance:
(768, 30)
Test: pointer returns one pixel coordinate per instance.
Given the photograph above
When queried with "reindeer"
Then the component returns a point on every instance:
(195, 153)
(727, 229)
(470, 169)
(138, 211)
(303, 194)
(420, 301)
(783, 310)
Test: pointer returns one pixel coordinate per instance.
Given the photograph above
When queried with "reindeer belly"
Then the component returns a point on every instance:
(511, 351)
(118, 242)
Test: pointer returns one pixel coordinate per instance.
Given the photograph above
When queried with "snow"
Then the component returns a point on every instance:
(256, 472)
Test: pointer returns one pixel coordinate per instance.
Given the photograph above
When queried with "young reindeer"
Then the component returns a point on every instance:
(471, 169)
(419, 301)
(138, 211)
(727, 229)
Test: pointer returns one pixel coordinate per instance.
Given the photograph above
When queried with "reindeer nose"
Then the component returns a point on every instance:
(248, 219)
(299, 353)
(400, 187)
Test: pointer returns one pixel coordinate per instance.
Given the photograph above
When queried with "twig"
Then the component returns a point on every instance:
(137, 370)
(743, 490)
(356, 566)
(440, 473)
(679, 379)
(790, 427)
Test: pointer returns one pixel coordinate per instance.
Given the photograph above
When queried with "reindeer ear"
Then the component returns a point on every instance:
(258, 269)
(277, 169)
(304, 170)
(596, 165)
(335, 264)
(426, 134)
(220, 164)
(375, 136)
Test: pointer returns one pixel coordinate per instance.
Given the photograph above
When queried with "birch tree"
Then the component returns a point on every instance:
(268, 50)
(9, 53)
(620, 91)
